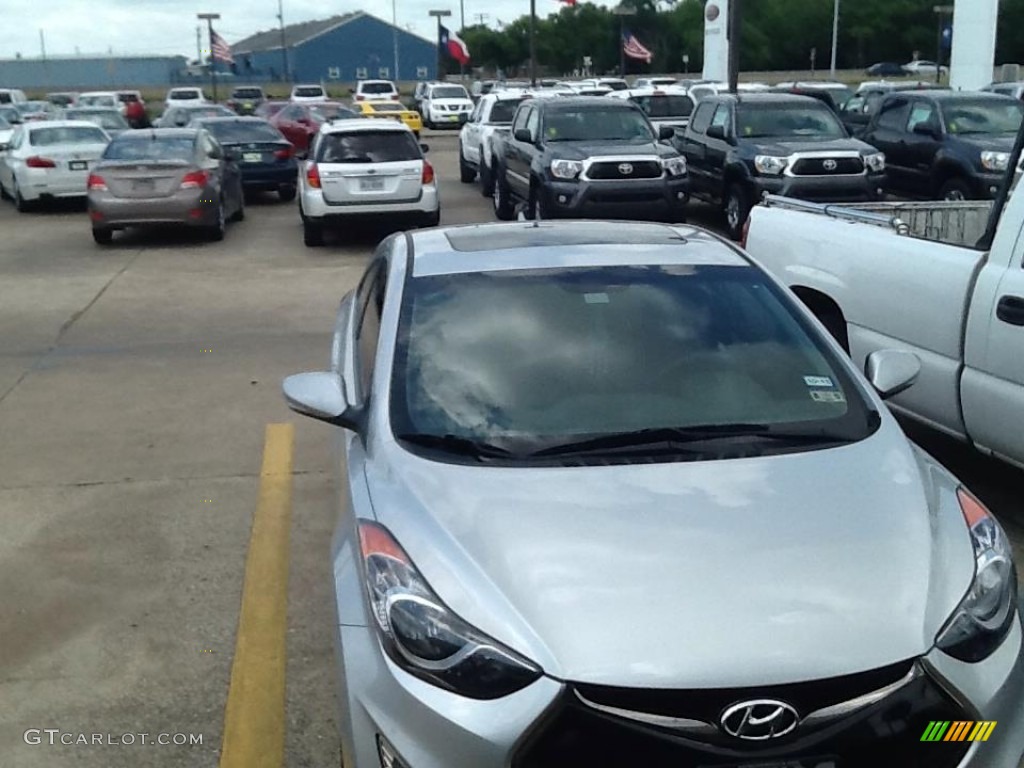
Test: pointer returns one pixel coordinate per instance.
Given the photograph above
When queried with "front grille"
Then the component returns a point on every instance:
(886, 733)
(625, 169)
(816, 166)
(607, 198)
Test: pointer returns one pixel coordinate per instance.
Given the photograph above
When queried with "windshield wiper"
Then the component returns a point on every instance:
(456, 444)
(674, 438)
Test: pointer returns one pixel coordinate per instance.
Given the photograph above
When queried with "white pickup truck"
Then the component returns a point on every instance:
(907, 276)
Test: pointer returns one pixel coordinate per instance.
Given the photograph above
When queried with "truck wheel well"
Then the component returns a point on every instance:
(828, 312)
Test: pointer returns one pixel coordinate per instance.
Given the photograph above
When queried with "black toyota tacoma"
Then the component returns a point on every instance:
(738, 147)
(588, 157)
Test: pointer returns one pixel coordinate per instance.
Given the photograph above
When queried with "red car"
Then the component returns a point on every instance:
(300, 122)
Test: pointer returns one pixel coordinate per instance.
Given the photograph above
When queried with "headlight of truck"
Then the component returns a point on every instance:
(770, 165)
(426, 638)
(875, 162)
(674, 166)
(984, 617)
(566, 169)
(995, 161)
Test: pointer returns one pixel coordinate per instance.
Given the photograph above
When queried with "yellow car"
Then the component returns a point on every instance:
(391, 109)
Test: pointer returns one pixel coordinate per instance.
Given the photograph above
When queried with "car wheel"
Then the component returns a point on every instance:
(216, 232)
(955, 190)
(20, 202)
(486, 181)
(102, 235)
(504, 209)
(240, 213)
(431, 219)
(737, 209)
(466, 172)
(312, 234)
(286, 193)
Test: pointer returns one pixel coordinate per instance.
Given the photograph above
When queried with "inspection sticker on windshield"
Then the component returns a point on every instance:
(818, 381)
(826, 396)
(595, 298)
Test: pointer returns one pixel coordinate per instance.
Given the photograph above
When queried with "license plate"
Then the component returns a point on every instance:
(371, 185)
(452, 118)
(805, 762)
(78, 165)
(252, 157)
(143, 185)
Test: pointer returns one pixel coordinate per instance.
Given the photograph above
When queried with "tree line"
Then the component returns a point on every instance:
(776, 35)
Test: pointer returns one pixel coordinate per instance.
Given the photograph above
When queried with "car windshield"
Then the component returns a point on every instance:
(128, 98)
(66, 134)
(97, 101)
(388, 106)
(247, 93)
(195, 113)
(156, 148)
(615, 85)
(324, 112)
(368, 147)
(104, 119)
(788, 121)
(242, 131)
(596, 124)
(503, 110)
(665, 106)
(449, 92)
(983, 116)
(584, 353)
(376, 88)
(310, 90)
(183, 95)
(31, 107)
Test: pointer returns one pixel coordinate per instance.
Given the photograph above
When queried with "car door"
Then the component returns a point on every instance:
(717, 150)
(231, 174)
(693, 148)
(471, 134)
(518, 153)
(921, 148)
(887, 133)
(7, 160)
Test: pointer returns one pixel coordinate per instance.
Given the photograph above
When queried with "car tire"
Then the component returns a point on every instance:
(737, 209)
(431, 219)
(23, 205)
(102, 235)
(312, 234)
(240, 213)
(955, 190)
(286, 193)
(216, 232)
(504, 208)
(486, 181)
(466, 172)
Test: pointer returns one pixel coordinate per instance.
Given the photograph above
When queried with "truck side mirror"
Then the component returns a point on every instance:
(523, 134)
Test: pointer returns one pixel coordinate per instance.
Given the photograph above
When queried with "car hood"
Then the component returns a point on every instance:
(461, 103)
(573, 150)
(733, 573)
(786, 148)
(983, 143)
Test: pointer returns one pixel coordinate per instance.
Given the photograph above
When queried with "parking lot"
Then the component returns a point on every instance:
(136, 385)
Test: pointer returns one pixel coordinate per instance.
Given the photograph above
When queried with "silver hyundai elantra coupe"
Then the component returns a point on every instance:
(611, 497)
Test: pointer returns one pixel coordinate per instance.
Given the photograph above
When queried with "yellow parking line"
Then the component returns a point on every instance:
(254, 724)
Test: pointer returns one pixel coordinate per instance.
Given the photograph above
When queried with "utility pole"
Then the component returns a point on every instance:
(533, 43)
(941, 11)
(462, 26)
(481, 18)
(440, 53)
(735, 24)
(284, 47)
(209, 17)
(199, 46)
(394, 34)
(622, 12)
(835, 39)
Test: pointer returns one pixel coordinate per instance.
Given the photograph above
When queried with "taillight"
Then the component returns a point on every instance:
(194, 180)
(428, 173)
(96, 182)
(359, 97)
(284, 154)
(40, 162)
(313, 176)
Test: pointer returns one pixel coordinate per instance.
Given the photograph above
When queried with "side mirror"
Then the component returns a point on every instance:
(4, 147)
(320, 395)
(425, 148)
(927, 129)
(523, 134)
(717, 132)
(892, 371)
(216, 154)
(665, 132)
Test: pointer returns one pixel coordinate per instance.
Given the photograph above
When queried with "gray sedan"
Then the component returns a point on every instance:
(165, 176)
(110, 120)
(610, 496)
(182, 117)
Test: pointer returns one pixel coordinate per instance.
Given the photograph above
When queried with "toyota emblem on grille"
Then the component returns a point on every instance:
(625, 169)
(759, 720)
(830, 165)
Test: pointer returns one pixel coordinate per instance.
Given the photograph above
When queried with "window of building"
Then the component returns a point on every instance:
(361, 73)
(334, 73)
(384, 73)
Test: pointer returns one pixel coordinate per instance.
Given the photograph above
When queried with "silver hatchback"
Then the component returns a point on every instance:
(612, 497)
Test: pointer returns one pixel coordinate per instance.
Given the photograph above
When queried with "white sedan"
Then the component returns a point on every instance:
(922, 67)
(45, 161)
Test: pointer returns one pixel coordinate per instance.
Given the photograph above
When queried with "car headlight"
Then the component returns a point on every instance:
(995, 161)
(566, 169)
(875, 162)
(423, 636)
(674, 166)
(770, 165)
(984, 616)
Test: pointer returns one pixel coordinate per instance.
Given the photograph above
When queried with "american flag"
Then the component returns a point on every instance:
(632, 48)
(220, 49)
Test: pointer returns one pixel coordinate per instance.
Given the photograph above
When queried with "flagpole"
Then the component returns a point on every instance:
(213, 61)
(533, 43)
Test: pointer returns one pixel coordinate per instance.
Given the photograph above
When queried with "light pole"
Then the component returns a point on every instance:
(440, 53)
(209, 17)
(835, 39)
(622, 12)
(533, 43)
(284, 48)
(733, 30)
(940, 11)
(394, 32)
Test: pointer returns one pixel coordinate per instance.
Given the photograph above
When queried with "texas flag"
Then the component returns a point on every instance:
(452, 43)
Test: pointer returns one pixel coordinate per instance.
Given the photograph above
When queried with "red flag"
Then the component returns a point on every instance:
(632, 48)
(568, 2)
(456, 48)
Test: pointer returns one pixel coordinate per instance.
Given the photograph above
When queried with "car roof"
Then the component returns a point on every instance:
(60, 124)
(234, 119)
(363, 124)
(151, 134)
(940, 95)
(769, 97)
(98, 93)
(575, 102)
(368, 82)
(562, 244)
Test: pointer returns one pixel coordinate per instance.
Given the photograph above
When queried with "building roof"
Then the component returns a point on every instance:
(295, 34)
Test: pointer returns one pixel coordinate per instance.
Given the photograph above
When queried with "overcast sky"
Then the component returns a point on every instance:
(169, 26)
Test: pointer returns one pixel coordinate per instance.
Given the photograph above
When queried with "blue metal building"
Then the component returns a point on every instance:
(345, 48)
(85, 73)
